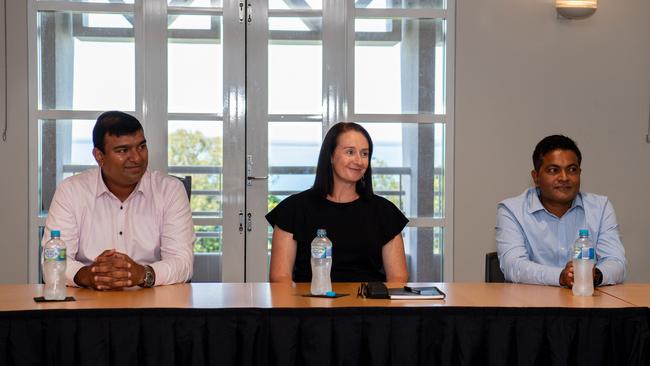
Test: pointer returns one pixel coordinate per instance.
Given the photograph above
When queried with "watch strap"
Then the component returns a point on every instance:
(598, 277)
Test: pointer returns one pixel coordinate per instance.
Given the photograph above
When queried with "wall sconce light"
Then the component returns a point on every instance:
(576, 9)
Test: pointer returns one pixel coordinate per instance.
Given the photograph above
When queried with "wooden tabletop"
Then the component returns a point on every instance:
(267, 295)
(458, 294)
(634, 293)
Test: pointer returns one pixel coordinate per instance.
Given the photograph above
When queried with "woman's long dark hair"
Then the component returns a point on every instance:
(324, 181)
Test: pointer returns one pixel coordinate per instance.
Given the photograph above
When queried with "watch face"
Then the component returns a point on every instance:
(598, 279)
(148, 277)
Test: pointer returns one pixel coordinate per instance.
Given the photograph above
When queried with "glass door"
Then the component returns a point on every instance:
(205, 93)
(285, 113)
(382, 63)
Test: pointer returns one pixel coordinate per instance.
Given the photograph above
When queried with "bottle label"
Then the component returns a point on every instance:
(588, 253)
(54, 254)
(318, 252)
(585, 253)
(328, 252)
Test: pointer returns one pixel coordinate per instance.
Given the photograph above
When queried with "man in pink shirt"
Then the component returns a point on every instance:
(122, 224)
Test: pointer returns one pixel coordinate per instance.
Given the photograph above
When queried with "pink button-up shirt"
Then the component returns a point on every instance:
(152, 226)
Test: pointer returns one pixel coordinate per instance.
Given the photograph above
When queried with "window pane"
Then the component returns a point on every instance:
(207, 190)
(106, 21)
(295, 66)
(424, 254)
(307, 4)
(408, 166)
(195, 64)
(65, 148)
(399, 66)
(404, 4)
(293, 154)
(190, 22)
(196, 3)
(208, 239)
(207, 254)
(295, 24)
(94, 1)
(75, 70)
(195, 148)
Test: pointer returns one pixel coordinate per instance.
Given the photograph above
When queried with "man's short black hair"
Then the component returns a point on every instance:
(554, 142)
(114, 123)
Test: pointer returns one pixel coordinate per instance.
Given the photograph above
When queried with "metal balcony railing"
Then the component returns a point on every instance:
(400, 192)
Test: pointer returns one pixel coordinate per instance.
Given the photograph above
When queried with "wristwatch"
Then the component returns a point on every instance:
(149, 277)
(598, 277)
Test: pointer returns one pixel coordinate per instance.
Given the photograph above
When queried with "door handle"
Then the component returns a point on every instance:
(249, 171)
(250, 178)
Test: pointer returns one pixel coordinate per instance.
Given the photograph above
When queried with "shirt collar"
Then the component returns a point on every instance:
(102, 189)
(535, 204)
(101, 186)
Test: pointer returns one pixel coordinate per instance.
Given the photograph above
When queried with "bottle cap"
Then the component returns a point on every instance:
(321, 232)
(330, 294)
(55, 234)
(584, 232)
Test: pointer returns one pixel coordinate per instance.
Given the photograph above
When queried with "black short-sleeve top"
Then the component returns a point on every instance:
(358, 231)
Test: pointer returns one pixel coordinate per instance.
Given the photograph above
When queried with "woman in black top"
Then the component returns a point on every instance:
(365, 229)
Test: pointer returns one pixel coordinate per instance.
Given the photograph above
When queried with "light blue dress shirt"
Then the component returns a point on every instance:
(534, 245)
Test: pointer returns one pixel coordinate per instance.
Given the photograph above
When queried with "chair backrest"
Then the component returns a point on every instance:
(187, 183)
(492, 270)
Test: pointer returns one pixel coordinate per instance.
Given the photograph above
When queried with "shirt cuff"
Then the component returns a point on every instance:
(552, 277)
(607, 277)
(613, 273)
(72, 267)
(161, 273)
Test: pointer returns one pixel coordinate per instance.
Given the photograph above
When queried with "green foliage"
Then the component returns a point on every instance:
(388, 182)
(192, 148)
(273, 201)
(207, 244)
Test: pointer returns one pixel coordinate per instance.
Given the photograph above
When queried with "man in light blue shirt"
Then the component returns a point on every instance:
(535, 231)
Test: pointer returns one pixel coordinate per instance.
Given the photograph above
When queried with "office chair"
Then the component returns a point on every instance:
(492, 270)
(187, 183)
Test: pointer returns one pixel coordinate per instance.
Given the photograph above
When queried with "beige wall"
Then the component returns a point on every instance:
(521, 74)
(13, 153)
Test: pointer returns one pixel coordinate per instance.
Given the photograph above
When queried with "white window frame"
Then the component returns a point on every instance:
(448, 15)
(151, 98)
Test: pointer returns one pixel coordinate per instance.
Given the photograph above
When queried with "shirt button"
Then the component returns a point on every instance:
(121, 207)
(120, 233)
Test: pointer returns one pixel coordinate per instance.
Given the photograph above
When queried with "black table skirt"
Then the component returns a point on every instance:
(344, 336)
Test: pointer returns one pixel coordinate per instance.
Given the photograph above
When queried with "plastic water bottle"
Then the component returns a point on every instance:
(54, 263)
(321, 263)
(584, 259)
